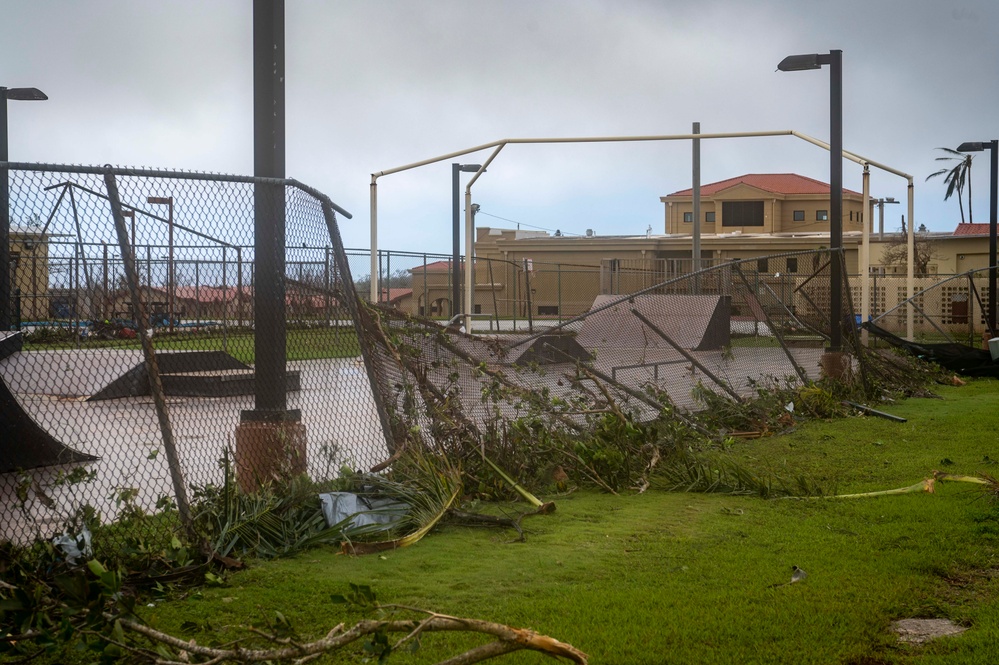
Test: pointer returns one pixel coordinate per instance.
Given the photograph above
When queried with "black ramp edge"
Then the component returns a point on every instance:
(24, 444)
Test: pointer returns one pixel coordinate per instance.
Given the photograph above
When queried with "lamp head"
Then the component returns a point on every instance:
(971, 146)
(25, 94)
(469, 168)
(797, 63)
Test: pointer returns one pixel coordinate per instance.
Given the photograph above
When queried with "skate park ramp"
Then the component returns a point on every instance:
(188, 373)
(551, 349)
(23, 444)
(697, 323)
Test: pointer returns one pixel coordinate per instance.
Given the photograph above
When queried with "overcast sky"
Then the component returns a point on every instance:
(376, 84)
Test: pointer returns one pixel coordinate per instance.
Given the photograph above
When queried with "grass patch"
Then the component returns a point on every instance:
(688, 578)
(301, 344)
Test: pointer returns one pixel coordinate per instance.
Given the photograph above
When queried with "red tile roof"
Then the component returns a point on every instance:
(435, 266)
(971, 230)
(395, 295)
(778, 183)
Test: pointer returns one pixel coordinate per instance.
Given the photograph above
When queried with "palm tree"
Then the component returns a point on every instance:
(956, 177)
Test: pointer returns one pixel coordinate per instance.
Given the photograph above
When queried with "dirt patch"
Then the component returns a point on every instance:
(917, 631)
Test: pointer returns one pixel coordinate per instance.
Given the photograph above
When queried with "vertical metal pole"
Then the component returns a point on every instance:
(239, 287)
(171, 279)
(327, 302)
(373, 293)
(139, 321)
(530, 305)
(993, 185)
(197, 290)
(455, 239)
(696, 178)
(105, 280)
(270, 334)
(865, 255)
(559, 267)
(225, 301)
(4, 218)
(910, 270)
(469, 261)
(836, 199)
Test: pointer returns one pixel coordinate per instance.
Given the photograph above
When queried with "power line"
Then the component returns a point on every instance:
(531, 226)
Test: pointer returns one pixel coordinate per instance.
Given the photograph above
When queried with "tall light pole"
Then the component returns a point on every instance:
(880, 203)
(993, 147)
(24, 95)
(795, 63)
(167, 201)
(456, 233)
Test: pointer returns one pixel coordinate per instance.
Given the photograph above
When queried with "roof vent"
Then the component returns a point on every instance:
(589, 233)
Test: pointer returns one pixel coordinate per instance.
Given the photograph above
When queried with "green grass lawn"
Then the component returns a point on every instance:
(687, 578)
(301, 344)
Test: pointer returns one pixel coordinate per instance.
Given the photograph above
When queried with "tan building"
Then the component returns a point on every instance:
(532, 272)
(761, 203)
(29, 264)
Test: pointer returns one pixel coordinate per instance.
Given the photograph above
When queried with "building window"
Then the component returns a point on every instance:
(688, 217)
(851, 215)
(799, 215)
(742, 213)
(547, 310)
(821, 215)
(792, 264)
(478, 309)
(762, 265)
(709, 217)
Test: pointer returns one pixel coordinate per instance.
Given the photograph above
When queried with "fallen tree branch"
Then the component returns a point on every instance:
(508, 639)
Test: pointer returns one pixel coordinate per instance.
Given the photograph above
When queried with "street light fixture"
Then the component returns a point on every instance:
(24, 95)
(167, 201)
(795, 63)
(993, 146)
(456, 233)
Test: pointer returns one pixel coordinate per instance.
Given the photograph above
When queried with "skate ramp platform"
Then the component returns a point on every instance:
(697, 323)
(190, 374)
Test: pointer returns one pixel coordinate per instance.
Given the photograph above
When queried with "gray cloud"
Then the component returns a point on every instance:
(376, 85)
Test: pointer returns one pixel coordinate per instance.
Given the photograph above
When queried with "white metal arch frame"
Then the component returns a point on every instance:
(497, 146)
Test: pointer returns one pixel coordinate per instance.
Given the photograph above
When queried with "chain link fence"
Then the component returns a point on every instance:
(107, 260)
(149, 311)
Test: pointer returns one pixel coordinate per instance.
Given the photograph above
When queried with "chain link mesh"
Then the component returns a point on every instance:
(75, 375)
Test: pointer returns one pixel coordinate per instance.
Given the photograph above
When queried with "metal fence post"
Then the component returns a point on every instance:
(152, 368)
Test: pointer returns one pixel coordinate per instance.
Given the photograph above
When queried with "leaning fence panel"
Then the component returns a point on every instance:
(76, 382)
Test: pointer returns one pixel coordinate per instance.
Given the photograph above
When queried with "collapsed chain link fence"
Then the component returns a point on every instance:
(83, 428)
(124, 276)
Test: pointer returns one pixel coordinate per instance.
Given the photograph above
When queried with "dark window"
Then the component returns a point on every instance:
(742, 213)
(762, 265)
(688, 217)
(792, 264)
(851, 215)
(478, 309)
(799, 215)
(822, 215)
(547, 310)
(709, 217)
